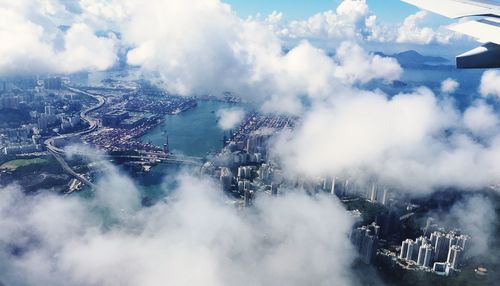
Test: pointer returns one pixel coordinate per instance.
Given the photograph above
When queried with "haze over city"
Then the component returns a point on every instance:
(209, 142)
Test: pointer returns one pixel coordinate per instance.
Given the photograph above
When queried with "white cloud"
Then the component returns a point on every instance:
(410, 141)
(411, 31)
(32, 42)
(476, 217)
(481, 119)
(490, 83)
(358, 66)
(192, 238)
(230, 118)
(353, 20)
(200, 47)
(449, 85)
(347, 22)
(83, 50)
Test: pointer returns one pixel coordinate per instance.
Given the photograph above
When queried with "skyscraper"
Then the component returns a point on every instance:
(49, 110)
(365, 240)
(421, 255)
(373, 193)
(462, 241)
(53, 83)
(412, 250)
(404, 248)
(383, 197)
(420, 241)
(369, 248)
(429, 256)
(455, 256)
(441, 246)
(434, 236)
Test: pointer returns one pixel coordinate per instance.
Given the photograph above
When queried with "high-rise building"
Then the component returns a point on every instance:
(404, 248)
(49, 110)
(412, 251)
(420, 241)
(441, 246)
(369, 248)
(455, 256)
(347, 187)
(383, 197)
(429, 256)
(462, 241)
(373, 193)
(43, 123)
(452, 239)
(52, 83)
(226, 178)
(421, 255)
(434, 236)
(332, 189)
(357, 235)
(247, 197)
(365, 240)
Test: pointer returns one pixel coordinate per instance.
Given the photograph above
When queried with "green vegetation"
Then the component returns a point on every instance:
(48, 165)
(368, 210)
(15, 164)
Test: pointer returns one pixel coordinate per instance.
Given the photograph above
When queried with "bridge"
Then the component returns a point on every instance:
(59, 153)
(406, 216)
(169, 159)
(196, 161)
(71, 172)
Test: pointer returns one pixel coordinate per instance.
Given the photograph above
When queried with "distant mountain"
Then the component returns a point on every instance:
(413, 59)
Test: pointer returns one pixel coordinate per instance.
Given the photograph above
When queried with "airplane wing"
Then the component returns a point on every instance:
(486, 29)
(458, 8)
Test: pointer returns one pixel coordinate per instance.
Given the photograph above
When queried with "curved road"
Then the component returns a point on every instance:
(58, 153)
(93, 124)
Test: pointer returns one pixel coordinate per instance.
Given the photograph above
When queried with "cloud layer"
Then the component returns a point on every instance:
(199, 47)
(414, 142)
(353, 20)
(193, 238)
(490, 83)
(230, 118)
(32, 41)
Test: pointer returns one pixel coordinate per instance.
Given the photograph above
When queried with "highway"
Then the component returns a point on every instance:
(196, 161)
(84, 115)
(70, 171)
(59, 153)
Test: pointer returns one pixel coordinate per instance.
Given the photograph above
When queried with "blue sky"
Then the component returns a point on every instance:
(387, 10)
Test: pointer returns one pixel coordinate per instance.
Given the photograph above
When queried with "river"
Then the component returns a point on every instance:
(193, 133)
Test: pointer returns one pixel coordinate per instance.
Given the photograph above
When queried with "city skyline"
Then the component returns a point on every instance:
(209, 142)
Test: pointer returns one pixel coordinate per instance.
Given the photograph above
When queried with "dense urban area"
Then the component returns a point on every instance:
(45, 119)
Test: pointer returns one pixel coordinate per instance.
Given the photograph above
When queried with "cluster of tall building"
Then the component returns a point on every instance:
(52, 83)
(242, 167)
(377, 194)
(10, 102)
(441, 252)
(19, 140)
(47, 118)
(365, 239)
